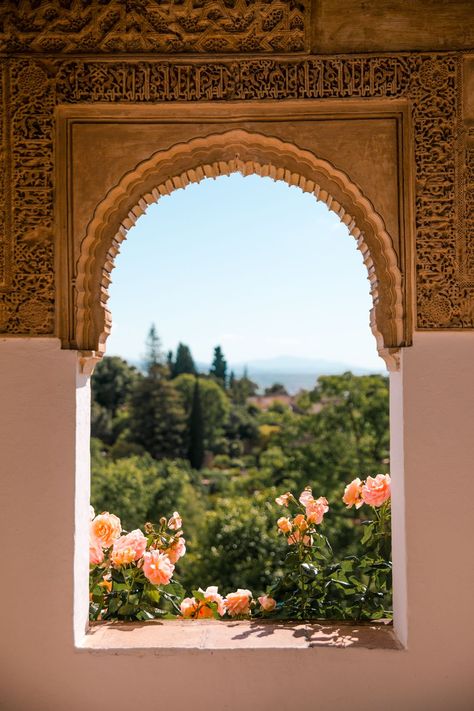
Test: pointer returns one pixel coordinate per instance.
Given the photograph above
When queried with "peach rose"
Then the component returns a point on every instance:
(106, 528)
(128, 548)
(376, 491)
(352, 494)
(300, 522)
(306, 496)
(96, 554)
(284, 524)
(175, 521)
(267, 603)
(188, 607)
(176, 550)
(211, 593)
(283, 499)
(157, 567)
(238, 603)
(315, 509)
(297, 536)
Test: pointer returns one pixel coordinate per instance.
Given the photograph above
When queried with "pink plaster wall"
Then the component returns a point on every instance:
(40, 668)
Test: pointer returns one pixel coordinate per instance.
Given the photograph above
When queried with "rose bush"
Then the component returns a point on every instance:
(131, 575)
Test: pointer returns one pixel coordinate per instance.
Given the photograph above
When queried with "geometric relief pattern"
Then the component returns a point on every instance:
(429, 82)
(158, 26)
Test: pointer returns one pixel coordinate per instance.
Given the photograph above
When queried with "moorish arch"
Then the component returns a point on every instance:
(221, 154)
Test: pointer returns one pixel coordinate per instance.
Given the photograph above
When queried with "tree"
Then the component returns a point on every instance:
(243, 388)
(276, 389)
(112, 383)
(157, 417)
(214, 402)
(219, 366)
(196, 430)
(184, 362)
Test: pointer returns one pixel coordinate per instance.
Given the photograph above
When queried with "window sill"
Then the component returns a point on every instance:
(209, 635)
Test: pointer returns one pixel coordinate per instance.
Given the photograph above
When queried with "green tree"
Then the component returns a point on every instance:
(157, 417)
(196, 430)
(276, 389)
(184, 362)
(215, 405)
(112, 383)
(219, 366)
(242, 388)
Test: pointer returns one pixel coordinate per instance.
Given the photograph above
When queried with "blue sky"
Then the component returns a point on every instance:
(248, 263)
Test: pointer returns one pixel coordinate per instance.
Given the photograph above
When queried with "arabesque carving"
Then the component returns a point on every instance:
(222, 154)
(429, 83)
(159, 26)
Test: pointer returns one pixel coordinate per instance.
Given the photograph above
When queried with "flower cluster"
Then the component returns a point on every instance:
(301, 528)
(374, 491)
(125, 566)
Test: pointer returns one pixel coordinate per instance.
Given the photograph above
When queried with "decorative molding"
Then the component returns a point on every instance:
(222, 154)
(158, 26)
(429, 83)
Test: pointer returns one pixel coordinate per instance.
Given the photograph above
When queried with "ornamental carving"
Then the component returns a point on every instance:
(429, 83)
(158, 26)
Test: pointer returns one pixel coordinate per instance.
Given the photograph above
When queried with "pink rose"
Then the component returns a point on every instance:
(238, 603)
(157, 567)
(96, 554)
(283, 499)
(175, 521)
(267, 603)
(353, 493)
(128, 548)
(284, 524)
(376, 491)
(306, 496)
(106, 528)
(297, 536)
(315, 509)
(176, 550)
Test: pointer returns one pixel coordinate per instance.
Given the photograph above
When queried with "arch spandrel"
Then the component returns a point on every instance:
(221, 154)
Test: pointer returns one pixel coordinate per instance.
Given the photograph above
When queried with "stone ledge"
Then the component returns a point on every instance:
(211, 635)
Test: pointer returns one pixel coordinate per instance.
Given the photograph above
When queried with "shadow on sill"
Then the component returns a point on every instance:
(174, 635)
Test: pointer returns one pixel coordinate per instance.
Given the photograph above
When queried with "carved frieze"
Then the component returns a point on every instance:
(429, 83)
(158, 26)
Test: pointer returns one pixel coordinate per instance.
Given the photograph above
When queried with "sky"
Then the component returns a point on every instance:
(254, 265)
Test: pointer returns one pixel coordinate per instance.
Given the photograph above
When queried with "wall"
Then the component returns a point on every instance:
(41, 670)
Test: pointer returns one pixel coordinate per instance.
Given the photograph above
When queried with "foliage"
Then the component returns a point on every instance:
(196, 430)
(215, 406)
(219, 366)
(184, 362)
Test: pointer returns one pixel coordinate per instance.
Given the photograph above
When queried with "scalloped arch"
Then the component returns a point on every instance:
(222, 154)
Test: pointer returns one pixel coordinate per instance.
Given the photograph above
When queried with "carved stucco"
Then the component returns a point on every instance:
(429, 83)
(177, 26)
(222, 154)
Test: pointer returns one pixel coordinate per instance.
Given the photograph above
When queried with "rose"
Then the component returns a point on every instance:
(283, 499)
(106, 528)
(267, 603)
(306, 496)
(315, 509)
(376, 491)
(128, 548)
(212, 595)
(300, 522)
(188, 607)
(238, 603)
(175, 521)
(297, 536)
(176, 550)
(284, 524)
(353, 494)
(96, 554)
(157, 567)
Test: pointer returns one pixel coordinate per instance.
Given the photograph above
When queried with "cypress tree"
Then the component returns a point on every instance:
(184, 362)
(219, 366)
(196, 430)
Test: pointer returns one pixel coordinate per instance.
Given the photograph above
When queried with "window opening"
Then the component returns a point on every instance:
(260, 377)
